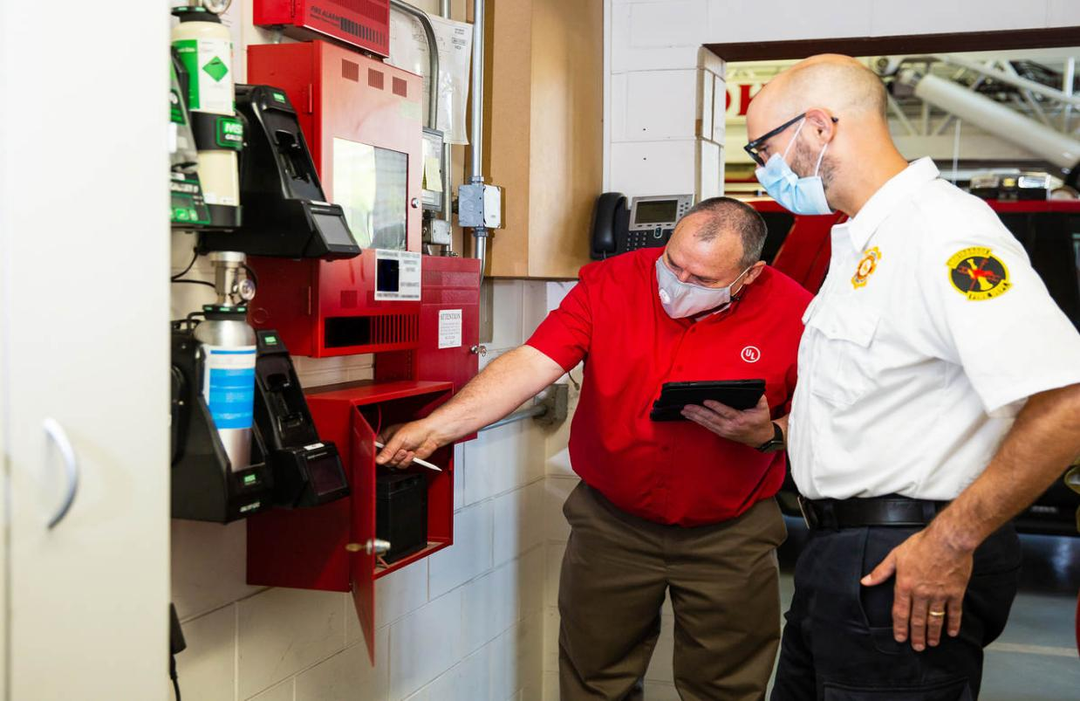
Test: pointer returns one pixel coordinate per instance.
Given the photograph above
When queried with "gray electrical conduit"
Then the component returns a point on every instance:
(448, 158)
(476, 133)
(433, 59)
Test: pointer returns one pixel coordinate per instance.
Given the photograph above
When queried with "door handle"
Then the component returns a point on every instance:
(374, 545)
(58, 435)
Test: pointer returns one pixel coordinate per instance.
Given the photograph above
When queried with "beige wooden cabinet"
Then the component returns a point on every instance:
(544, 132)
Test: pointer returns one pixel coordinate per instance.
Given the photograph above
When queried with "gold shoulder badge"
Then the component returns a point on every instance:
(866, 268)
(977, 274)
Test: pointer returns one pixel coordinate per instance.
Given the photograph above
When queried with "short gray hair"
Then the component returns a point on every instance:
(727, 214)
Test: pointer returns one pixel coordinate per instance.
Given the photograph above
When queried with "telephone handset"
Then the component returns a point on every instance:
(646, 223)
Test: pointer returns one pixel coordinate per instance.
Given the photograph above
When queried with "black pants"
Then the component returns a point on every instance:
(838, 644)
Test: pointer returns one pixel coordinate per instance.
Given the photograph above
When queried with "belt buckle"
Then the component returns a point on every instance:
(809, 516)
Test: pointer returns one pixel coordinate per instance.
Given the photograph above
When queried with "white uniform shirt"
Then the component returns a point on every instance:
(930, 331)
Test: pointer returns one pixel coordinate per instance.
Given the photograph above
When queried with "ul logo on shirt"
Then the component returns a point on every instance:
(751, 354)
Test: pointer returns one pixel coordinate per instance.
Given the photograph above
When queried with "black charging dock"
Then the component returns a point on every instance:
(204, 485)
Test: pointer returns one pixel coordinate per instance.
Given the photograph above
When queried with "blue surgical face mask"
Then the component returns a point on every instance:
(795, 194)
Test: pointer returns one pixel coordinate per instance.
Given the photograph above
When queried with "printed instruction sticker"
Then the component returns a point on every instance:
(449, 328)
(397, 275)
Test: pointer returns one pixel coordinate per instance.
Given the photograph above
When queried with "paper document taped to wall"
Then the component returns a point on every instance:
(409, 50)
(449, 328)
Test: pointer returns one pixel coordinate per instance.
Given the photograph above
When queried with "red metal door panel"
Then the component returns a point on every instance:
(451, 285)
(362, 528)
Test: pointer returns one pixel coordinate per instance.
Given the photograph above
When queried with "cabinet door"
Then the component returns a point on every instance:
(84, 260)
(362, 528)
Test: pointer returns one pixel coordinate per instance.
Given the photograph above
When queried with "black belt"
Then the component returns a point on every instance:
(889, 510)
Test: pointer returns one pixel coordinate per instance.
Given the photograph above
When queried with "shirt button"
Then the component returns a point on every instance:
(679, 368)
(664, 449)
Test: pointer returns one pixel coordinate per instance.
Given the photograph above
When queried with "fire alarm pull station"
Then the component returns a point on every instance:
(362, 23)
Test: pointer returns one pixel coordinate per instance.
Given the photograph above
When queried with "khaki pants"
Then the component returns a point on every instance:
(724, 589)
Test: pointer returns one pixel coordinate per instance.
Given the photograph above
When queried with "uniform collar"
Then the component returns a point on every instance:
(885, 200)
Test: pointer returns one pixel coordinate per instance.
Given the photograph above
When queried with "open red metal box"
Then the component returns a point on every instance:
(329, 547)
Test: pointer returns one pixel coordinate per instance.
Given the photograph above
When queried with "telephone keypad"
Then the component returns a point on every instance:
(652, 238)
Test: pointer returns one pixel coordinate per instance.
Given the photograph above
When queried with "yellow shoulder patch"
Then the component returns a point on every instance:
(978, 274)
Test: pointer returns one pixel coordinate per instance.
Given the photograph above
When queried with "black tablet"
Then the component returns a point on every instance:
(737, 394)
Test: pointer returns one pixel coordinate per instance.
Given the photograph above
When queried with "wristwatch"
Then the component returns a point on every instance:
(775, 443)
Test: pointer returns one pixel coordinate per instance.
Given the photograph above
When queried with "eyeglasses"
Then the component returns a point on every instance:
(753, 148)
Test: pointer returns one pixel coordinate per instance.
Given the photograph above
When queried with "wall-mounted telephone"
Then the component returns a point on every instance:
(646, 223)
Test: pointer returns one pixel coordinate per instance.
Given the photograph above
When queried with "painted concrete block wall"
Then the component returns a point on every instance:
(653, 51)
(661, 120)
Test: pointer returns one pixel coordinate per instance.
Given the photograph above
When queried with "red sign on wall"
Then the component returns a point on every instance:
(739, 96)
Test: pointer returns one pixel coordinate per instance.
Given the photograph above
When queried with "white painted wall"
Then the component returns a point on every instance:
(652, 54)
(465, 624)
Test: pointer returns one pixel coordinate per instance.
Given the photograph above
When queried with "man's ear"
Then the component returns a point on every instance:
(754, 272)
(821, 124)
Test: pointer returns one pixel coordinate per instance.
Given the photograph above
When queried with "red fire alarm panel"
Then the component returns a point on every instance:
(362, 23)
(362, 120)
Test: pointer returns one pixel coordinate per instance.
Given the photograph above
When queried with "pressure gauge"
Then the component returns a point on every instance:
(246, 289)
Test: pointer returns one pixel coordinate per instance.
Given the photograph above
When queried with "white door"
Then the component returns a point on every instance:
(84, 275)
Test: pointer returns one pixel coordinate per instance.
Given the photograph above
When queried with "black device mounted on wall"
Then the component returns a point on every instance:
(286, 213)
(290, 466)
(646, 222)
(204, 485)
(306, 470)
(401, 513)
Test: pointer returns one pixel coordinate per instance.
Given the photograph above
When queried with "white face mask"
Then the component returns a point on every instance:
(683, 299)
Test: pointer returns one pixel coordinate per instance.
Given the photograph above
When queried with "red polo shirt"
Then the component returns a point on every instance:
(670, 472)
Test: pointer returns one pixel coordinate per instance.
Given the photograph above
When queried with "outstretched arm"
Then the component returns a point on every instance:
(503, 386)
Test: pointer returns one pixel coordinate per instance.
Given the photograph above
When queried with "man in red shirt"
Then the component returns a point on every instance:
(684, 507)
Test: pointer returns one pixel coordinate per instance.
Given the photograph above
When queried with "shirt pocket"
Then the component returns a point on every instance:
(842, 371)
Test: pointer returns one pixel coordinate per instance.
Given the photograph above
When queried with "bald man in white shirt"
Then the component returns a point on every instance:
(938, 396)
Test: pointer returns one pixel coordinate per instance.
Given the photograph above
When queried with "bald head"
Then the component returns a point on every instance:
(839, 84)
(844, 136)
